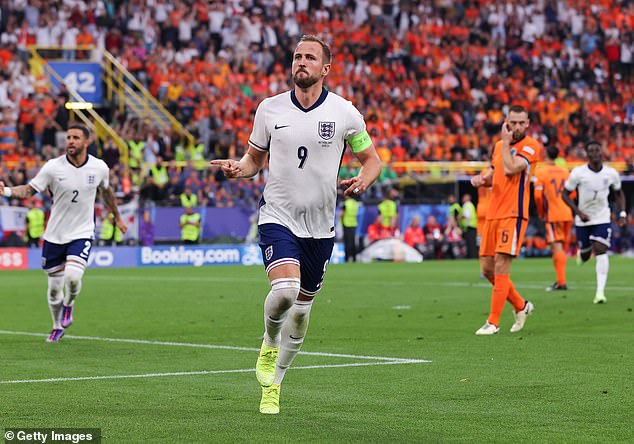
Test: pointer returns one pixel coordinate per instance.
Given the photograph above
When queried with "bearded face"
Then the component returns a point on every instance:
(308, 65)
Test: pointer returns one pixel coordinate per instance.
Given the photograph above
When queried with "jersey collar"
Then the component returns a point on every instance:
(320, 100)
(595, 171)
(85, 161)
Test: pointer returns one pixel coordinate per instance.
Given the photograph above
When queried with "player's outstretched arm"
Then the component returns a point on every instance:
(18, 192)
(484, 179)
(248, 166)
(371, 166)
(111, 203)
(565, 196)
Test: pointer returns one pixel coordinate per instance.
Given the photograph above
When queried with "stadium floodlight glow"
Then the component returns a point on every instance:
(78, 105)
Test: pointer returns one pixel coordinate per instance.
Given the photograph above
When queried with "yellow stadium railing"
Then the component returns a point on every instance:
(88, 115)
(116, 75)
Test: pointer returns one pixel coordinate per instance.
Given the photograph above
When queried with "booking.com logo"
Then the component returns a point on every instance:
(189, 256)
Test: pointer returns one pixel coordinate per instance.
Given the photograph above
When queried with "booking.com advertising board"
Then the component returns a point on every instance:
(155, 256)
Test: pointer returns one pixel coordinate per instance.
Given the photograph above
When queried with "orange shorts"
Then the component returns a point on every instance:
(481, 223)
(558, 231)
(503, 236)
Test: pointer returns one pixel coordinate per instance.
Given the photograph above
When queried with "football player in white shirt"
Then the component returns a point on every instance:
(592, 216)
(73, 179)
(303, 133)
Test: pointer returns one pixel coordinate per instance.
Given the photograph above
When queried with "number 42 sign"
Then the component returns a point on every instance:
(83, 78)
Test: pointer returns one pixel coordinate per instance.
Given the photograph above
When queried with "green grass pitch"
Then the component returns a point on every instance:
(568, 377)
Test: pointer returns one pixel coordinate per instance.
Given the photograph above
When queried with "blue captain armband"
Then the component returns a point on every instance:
(360, 142)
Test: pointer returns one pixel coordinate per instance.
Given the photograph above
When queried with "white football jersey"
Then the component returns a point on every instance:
(305, 149)
(593, 189)
(74, 190)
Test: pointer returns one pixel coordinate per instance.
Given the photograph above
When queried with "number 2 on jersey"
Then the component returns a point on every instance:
(302, 155)
(75, 194)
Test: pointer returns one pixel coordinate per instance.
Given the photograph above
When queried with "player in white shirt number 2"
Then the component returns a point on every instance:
(73, 180)
(303, 133)
(592, 215)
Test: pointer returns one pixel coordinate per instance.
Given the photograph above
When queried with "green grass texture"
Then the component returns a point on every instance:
(168, 355)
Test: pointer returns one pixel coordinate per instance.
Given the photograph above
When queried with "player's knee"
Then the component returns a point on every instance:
(55, 287)
(285, 291)
(73, 276)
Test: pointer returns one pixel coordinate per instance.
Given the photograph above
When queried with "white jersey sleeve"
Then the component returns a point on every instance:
(42, 179)
(260, 136)
(573, 180)
(355, 124)
(616, 180)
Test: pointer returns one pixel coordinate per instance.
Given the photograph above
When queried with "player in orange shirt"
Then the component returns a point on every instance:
(484, 198)
(513, 164)
(549, 186)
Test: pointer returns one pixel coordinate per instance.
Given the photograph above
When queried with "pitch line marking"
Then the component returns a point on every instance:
(208, 372)
(533, 285)
(210, 346)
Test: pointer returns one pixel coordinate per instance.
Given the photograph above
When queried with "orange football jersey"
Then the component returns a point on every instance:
(549, 186)
(511, 194)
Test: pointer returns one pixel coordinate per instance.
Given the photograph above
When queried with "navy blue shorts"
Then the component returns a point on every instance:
(599, 233)
(280, 246)
(54, 255)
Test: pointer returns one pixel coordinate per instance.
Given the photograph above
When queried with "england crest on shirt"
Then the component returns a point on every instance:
(326, 130)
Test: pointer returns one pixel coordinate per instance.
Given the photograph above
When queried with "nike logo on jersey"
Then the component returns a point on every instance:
(60, 178)
(280, 126)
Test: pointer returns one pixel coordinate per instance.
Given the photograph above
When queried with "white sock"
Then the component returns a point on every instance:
(293, 333)
(279, 300)
(73, 273)
(55, 296)
(602, 268)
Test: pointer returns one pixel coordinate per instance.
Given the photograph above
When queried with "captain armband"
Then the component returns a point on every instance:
(360, 142)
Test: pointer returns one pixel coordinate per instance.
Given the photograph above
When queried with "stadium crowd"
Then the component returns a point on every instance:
(433, 80)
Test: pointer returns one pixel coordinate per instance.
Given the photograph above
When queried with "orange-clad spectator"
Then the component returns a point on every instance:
(84, 38)
(8, 133)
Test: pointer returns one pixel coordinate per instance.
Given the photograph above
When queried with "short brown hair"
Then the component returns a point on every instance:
(324, 46)
(518, 109)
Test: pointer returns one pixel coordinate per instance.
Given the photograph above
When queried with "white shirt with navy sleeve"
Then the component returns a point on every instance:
(74, 190)
(593, 189)
(305, 149)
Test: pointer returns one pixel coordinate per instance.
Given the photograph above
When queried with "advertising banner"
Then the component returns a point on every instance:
(156, 256)
(13, 259)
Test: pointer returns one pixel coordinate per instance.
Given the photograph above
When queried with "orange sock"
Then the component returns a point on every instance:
(559, 260)
(498, 297)
(514, 298)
